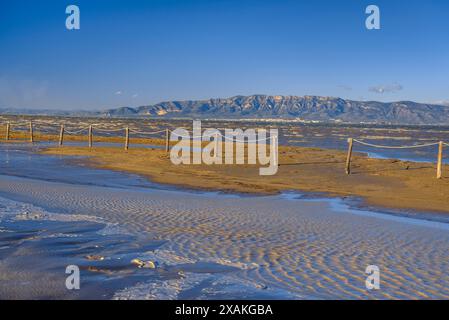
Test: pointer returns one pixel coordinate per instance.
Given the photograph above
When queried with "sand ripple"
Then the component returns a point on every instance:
(300, 247)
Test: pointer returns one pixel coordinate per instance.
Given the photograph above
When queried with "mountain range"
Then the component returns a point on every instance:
(303, 108)
(307, 108)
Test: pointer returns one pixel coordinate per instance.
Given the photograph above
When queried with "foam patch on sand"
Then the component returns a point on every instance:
(159, 290)
(171, 258)
(201, 286)
(23, 211)
(19, 211)
(192, 285)
(166, 257)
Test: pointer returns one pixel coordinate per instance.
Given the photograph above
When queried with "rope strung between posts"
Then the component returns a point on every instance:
(16, 123)
(26, 123)
(76, 132)
(440, 144)
(141, 132)
(40, 122)
(108, 130)
(189, 137)
(182, 136)
(395, 147)
(45, 128)
(243, 141)
(220, 134)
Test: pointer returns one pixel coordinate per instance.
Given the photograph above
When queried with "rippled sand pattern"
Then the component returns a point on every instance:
(300, 246)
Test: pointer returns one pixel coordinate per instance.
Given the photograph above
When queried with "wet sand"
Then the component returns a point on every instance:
(204, 245)
(211, 246)
(385, 183)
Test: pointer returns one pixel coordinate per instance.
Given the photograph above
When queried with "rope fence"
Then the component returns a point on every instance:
(30, 125)
(395, 147)
(76, 132)
(46, 125)
(43, 125)
(440, 145)
(146, 133)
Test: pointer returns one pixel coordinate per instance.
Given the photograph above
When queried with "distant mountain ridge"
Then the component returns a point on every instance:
(303, 108)
(308, 108)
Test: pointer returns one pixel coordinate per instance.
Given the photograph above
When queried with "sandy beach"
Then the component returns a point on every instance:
(205, 245)
(273, 246)
(217, 232)
(386, 183)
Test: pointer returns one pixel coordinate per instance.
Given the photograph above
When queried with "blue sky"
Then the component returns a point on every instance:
(131, 53)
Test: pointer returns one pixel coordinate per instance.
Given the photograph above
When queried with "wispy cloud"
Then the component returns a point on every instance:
(135, 95)
(118, 93)
(388, 88)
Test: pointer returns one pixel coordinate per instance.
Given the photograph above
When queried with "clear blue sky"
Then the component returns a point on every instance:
(131, 53)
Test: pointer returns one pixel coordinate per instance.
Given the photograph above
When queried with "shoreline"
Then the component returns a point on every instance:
(380, 183)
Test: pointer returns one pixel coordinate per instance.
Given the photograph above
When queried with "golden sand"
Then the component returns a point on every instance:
(380, 182)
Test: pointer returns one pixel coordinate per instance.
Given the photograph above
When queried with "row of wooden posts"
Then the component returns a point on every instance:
(439, 158)
(90, 136)
(167, 145)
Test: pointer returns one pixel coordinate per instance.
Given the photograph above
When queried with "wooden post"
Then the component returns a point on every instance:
(7, 130)
(440, 160)
(348, 159)
(31, 132)
(61, 135)
(167, 141)
(90, 136)
(126, 138)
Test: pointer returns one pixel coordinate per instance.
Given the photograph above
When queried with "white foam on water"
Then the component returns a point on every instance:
(202, 286)
(166, 257)
(171, 258)
(21, 211)
(159, 290)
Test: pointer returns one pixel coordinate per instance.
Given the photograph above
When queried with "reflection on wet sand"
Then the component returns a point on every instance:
(266, 246)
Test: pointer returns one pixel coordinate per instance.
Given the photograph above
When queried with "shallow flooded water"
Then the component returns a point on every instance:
(55, 213)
